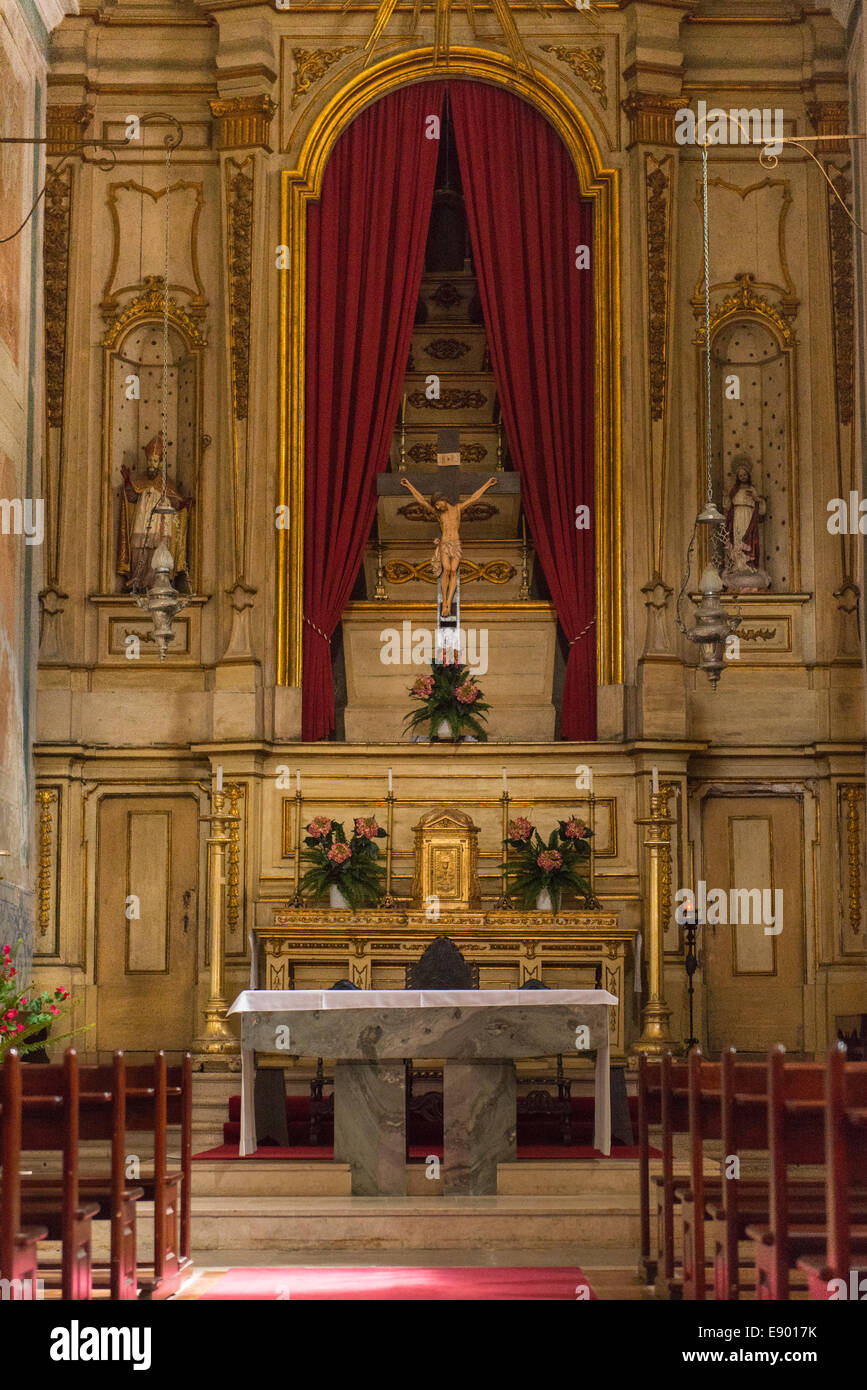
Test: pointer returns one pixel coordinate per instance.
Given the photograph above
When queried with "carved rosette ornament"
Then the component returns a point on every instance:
(587, 63)
(311, 64)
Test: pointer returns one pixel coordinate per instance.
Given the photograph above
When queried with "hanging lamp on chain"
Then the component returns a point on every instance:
(713, 625)
(161, 599)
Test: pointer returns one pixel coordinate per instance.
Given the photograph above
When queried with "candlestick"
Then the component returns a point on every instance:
(656, 1037)
(388, 900)
(504, 902)
(297, 900)
(402, 464)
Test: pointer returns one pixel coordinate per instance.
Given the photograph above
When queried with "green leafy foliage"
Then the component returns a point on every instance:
(451, 695)
(24, 1013)
(352, 865)
(533, 866)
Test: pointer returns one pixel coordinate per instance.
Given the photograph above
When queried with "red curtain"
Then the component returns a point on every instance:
(365, 252)
(526, 220)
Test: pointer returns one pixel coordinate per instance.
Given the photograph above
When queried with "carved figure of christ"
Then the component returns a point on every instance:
(447, 551)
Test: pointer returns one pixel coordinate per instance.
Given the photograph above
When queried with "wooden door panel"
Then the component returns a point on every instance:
(753, 977)
(147, 868)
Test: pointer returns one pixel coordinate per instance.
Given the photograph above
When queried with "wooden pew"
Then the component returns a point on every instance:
(657, 1105)
(842, 1252)
(796, 1228)
(18, 1260)
(50, 1122)
(102, 1115)
(145, 1098)
(157, 1097)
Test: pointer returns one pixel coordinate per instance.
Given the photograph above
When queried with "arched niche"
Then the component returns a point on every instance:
(753, 418)
(597, 183)
(133, 376)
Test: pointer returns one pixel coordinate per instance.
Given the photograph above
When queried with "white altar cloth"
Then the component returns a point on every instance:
(277, 1001)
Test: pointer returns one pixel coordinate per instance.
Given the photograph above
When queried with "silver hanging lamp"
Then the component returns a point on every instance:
(713, 625)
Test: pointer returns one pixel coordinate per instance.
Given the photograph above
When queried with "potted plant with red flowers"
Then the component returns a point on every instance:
(347, 869)
(540, 872)
(24, 1013)
(452, 705)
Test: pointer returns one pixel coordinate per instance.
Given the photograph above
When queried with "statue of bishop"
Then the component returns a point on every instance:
(142, 528)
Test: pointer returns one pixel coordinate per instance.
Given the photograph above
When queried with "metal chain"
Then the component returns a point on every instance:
(165, 400)
(706, 319)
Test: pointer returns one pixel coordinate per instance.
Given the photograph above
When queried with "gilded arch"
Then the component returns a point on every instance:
(597, 183)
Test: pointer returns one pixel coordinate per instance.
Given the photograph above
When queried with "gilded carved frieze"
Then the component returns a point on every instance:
(651, 118)
(311, 65)
(494, 572)
(47, 830)
(588, 64)
(658, 225)
(840, 235)
(58, 199)
(240, 248)
(851, 802)
(243, 122)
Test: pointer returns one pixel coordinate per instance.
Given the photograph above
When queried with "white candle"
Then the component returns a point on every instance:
(505, 784)
(390, 786)
(654, 780)
(298, 781)
(220, 778)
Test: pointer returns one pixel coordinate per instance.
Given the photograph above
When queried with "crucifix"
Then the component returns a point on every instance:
(447, 549)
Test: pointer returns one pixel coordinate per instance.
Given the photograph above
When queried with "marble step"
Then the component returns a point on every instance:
(299, 1178)
(452, 347)
(446, 296)
(478, 448)
(390, 1223)
(465, 398)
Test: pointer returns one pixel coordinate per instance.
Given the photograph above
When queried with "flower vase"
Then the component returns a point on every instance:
(543, 901)
(336, 897)
(444, 731)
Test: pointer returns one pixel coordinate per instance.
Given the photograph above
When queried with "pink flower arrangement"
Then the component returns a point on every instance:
(23, 1015)
(520, 828)
(319, 826)
(366, 826)
(467, 693)
(422, 688)
(550, 859)
(574, 829)
(339, 853)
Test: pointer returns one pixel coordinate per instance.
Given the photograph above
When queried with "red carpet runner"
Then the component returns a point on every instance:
(402, 1284)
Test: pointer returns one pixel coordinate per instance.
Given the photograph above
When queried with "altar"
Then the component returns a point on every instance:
(478, 1033)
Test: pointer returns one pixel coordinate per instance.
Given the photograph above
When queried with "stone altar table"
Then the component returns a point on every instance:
(478, 1034)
